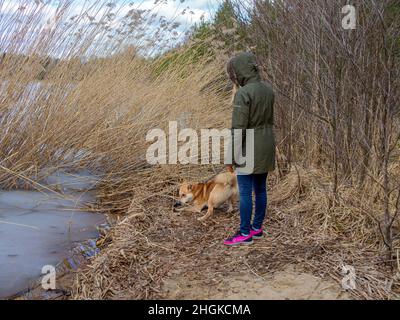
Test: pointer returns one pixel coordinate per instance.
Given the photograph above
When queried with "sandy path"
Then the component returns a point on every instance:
(287, 284)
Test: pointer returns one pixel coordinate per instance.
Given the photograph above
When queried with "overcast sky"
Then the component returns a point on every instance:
(170, 9)
(167, 8)
(199, 8)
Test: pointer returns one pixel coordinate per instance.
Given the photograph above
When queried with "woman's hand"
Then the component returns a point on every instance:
(230, 168)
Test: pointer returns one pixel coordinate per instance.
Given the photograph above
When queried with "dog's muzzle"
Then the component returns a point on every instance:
(178, 204)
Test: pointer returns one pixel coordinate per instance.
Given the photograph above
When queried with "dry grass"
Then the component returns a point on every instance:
(333, 235)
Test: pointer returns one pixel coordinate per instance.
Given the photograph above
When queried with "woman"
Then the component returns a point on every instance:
(253, 108)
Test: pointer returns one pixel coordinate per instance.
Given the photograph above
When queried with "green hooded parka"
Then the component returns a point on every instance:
(253, 108)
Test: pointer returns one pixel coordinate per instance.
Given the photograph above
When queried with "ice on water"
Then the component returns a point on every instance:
(39, 228)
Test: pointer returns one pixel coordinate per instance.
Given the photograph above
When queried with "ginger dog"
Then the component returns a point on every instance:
(212, 194)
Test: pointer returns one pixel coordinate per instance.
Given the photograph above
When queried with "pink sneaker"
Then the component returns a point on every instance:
(257, 234)
(239, 239)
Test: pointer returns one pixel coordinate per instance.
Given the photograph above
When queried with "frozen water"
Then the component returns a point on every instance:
(81, 181)
(40, 228)
(40, 201)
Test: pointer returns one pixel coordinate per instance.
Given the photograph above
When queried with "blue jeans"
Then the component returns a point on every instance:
(248, 183)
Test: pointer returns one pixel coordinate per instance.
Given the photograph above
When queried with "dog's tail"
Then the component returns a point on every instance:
(226, 179)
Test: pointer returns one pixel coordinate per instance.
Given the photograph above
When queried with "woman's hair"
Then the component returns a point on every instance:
(231, 71)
